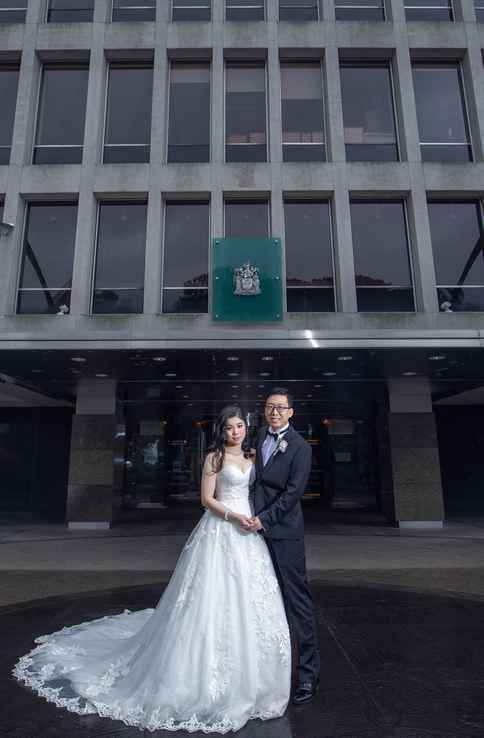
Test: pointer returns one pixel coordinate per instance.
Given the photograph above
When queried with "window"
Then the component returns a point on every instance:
(70, 11)
(458, 246)
(479, 8)
(309, 256)
(247, 219)
(360, 10)
(189, 120)
(120, 258)
(442, 120)
(245, 112)
(368, 114)
(192, 10)
(47, 259)
(13, 11)
(8, 96)
(429, 10)
(298, 10)
(185, 257)
(382, 265)
(302, 112)
(128, 124)
(244, 10)
(134, 10)
(61, 114)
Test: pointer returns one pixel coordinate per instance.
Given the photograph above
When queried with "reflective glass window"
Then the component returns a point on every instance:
(192, 10)
(479, 8)
(61, 114)
(245, 112)
(309, 256)
(47, 258)
(247, 219)
(128, 124)
(189, 113)
(360, 10)
(185, 257)
(381, 252)
(302, 112)
(244, 10)
(458, 246)
(70, 11)
(8, 96)
(13, 11)
(134, 10)
(442, 119)
(368, 112)
(298, 10)
(120, 258)
(428, 10)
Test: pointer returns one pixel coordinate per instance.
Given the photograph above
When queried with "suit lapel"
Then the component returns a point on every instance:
(258, 451)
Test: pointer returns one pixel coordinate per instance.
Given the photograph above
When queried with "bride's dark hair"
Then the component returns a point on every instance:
(219, 438)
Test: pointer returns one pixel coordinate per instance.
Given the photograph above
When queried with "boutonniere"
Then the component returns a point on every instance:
(282, 447)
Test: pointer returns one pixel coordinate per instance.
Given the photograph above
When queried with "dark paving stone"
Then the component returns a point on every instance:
(395, 664)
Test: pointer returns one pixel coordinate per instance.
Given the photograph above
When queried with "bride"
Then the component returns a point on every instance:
(214, 653)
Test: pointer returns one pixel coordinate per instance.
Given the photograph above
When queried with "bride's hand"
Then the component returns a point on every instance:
(241, 520)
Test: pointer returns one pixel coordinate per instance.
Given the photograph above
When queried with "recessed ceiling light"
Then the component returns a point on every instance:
(232, 358)
(178, 386)
(409, 374)
(437, 357)
(260, 386)
(186, 397)
(75, 371)
(260, 396)
(235, 386)
(344, 358)
(159, 358)
(38, 371)
(264, 374)
(267, 358)
(317, 386)
(190, 404)
(233, 374)
(234, 397)
(247, 386)
(308, 395)
(329, 374)
(78, 359)
(101, 376)
(170, 374)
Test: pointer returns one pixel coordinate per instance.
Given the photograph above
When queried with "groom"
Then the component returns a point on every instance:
(283, 464)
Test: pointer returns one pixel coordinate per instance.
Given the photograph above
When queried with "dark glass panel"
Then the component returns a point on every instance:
(302, 112)
(309, 251)
(70, 11)
(245, 113)
(134, 10)
(189, 121)
(441, 113)
(368, 114)
(192, 10)
(128, 126)
(298, 10)
(461, 299)
(186, 244)
(13, 11)
(61, 116)
(48, 252)
(42, 302)
(185, 301)
(359, 10)
(247, 219)
(244, 10)
(428, 10)
(8, 97)
(310, 300)
(479, 8)
(117, 301)
(380, 247)
(120, 257)
(387, 299)
(457, 242)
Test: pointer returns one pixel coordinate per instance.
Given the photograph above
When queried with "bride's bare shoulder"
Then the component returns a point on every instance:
(209, 466)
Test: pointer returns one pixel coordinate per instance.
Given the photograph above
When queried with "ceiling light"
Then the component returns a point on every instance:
(308, 395)
(234, 397)
(78, 359)
(186, 397)
(317, 386)
(159, 358)
(267, 358)
(329, 374)
(264, 374)
(232, 358)
(437, 357)
(170, 374)
(235, 386)
(409, 374)
(38, 371)
(233, 374)
(101, 376)
(179, 386)
(260, 386)
(344, 358)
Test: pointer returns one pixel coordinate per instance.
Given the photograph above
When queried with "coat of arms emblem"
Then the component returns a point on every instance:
(247, 280)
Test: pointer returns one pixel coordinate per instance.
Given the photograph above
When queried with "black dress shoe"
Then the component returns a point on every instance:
(305, 691)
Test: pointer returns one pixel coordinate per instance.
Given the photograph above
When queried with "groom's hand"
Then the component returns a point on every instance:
(255, 524)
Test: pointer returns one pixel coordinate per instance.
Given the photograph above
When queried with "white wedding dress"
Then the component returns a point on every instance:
(214, 653)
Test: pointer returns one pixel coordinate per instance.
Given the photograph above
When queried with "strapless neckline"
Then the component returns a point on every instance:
(237, 467)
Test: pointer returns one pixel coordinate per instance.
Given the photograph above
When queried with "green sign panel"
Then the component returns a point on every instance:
(247, 279)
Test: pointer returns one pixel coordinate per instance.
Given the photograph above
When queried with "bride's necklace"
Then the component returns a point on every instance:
(231, 453)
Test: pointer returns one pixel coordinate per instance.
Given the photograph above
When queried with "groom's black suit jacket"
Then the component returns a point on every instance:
(279, 486)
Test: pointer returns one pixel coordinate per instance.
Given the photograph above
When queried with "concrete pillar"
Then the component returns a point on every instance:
(415, 463)
(90, 488)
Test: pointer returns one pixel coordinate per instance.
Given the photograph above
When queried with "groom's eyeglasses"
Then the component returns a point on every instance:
(280, 409)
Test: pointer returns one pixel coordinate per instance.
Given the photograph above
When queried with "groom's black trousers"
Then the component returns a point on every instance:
(290, 564)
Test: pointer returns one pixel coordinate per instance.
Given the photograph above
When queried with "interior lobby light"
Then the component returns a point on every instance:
(233, 374)
(437, 357)
(159, 358)
(79, 359)
(409, 374)
(232, 358)
(264, 374)
(170, 374)
(267, 358)
(345, 358)
(329, 374)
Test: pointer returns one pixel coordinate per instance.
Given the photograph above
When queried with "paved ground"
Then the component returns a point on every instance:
(400, 613)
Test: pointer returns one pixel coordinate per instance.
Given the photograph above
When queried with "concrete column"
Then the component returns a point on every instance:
(90, 488)
(421, 244)
(344, 267)
(415, 463)
(217, 93)
(274, 105)
(405, 102)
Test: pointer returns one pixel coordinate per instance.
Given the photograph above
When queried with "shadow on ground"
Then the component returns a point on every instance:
(395, 664)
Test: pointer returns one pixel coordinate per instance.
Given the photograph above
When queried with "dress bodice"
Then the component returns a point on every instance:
(233, 483)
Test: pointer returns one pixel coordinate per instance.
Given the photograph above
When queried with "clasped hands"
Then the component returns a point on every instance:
(251, 525)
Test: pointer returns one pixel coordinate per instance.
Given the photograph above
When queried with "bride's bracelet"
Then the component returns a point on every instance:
(226, 515)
